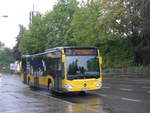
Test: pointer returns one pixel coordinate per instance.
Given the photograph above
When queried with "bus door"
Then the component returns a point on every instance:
(25, 77)
(36, 79)
(58, 77)
(58, 82)
(24, 69)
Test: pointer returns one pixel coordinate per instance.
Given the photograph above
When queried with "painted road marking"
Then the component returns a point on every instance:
(123, 85)
(125, 89)
(128, 99)
(103, 95)
(105, 87)
(146, 87)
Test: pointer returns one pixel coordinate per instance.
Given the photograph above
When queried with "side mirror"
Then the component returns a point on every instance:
(100, 60)
(63, 58)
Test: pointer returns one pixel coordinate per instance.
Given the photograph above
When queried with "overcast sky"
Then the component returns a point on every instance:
(18, 13)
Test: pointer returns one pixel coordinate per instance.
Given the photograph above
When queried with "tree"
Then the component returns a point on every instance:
(84, 24)
(138, 28)
(130, 19)
(16, 51)
(35, 38)
(120, 28)
(49, 30)
(6, 57)
(1, 46)
(59, 23)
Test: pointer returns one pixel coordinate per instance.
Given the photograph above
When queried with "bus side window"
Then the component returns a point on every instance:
(62, 70)
(54, 66)
(44, 68)
(59, 68)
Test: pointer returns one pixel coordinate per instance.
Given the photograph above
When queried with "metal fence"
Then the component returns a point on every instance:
(131, 72)
(127, 70)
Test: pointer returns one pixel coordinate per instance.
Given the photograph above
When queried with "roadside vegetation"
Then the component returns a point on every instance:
(120, 28)
(6, 57)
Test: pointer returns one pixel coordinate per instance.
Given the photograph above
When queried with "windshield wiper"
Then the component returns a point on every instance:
(78, 77)
(82, 77)
(90, 76)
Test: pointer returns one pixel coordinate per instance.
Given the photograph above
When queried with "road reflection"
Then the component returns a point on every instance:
(88, 103)
(0, 79)
(19, 98)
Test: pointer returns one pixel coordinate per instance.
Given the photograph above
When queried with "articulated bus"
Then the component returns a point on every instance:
(63, 69)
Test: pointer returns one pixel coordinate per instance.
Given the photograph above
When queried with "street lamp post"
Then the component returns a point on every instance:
(5, 16)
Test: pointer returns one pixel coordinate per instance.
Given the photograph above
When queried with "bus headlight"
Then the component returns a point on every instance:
(68, 86)
(99, 84)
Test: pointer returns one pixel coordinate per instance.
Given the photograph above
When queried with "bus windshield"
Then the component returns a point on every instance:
(82, 67)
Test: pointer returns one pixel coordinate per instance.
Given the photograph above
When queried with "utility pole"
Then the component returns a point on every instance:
(31, 14)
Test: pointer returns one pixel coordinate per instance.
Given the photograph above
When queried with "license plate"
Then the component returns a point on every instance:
(85, 89)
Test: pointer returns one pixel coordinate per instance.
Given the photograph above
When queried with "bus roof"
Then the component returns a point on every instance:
(56, 49)
(60, 48)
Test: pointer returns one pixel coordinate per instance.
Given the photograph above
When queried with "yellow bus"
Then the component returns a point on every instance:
(64, 69)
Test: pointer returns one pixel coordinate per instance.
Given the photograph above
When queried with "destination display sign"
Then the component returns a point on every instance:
(81, 51)
(54, 54)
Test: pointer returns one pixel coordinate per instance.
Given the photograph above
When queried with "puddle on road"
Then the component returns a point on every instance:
(67, 103)
(88, 103)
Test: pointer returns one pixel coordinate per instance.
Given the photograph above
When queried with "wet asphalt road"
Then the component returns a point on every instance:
(117, 96)
(126, 95)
